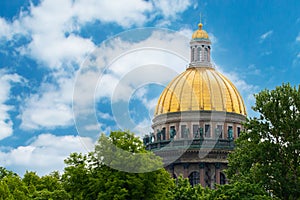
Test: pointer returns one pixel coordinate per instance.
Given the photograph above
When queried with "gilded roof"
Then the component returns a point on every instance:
(200, 33)
(200, 88)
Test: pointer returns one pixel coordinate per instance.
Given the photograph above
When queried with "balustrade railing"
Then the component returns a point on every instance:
(192, 144)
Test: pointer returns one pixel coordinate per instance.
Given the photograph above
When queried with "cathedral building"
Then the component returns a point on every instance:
(197, 118)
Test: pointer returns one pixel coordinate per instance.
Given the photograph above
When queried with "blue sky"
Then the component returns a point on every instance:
(45, 45)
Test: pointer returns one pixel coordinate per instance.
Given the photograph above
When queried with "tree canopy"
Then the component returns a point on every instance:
(89, 177)
(264, 165)
(267, 152)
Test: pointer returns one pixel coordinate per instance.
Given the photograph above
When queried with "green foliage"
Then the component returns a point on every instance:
(48, 195)
(266, 159)
(184, 191)
(77, 175)
(31, 186)
(235, 191)
(125, 152)
(240, 191)
(89, 177)
(11, 186)
(267, 152)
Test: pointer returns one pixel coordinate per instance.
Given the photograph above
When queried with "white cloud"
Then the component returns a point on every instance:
(124, 13)
(160, 49)
(125, 64)
(49, 25)
(57, 50)
(265, 35)
(45, 153)
(4, 28)
(6, 81)
(186, 32)
(106, 116)
(143, 128)
(9, 29)
(50, 107)
(170, 8)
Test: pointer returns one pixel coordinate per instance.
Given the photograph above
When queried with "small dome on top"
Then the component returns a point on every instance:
(200, 33)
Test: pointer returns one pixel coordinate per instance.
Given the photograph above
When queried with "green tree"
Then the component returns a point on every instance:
(90, 177)
(45, 187)
(31, 180)
(239, 191)
(11, 186)
(77, 175)
(267, 152)
(184, 191)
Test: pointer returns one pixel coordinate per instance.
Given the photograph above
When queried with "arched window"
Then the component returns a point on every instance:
(222, 178)
(199, 54)
(208, 58)
(192, 54)
(194, 178)
(205, 54)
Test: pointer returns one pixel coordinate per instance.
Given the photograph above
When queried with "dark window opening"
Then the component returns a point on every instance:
(230, 132)
(194, 178)
(163, 132)
(222, 178)
(183, 130)
(172, 132)
(238, 131)
(219, 131)
(207, 130)
(196, 131)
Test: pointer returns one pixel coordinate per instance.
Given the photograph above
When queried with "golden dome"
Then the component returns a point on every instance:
(200, 88)
(200, 33)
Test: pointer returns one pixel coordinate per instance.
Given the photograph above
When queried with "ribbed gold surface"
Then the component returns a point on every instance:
(200, 33)
(200, 88)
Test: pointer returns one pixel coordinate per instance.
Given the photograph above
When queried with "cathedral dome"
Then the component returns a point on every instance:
(200, 33)
(200, 88)
(197, 118)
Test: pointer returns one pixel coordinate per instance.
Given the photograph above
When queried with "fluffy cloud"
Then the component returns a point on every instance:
(124, 13)
(50, 107)
(45, 153)
(50, 25)
(4, 28)
(6, 81)
(50, 28)
(113, 73)
(170, 8)
(110, 65)
(53, 40)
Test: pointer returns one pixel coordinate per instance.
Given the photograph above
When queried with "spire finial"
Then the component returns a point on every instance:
(200, 18)
(200, 24)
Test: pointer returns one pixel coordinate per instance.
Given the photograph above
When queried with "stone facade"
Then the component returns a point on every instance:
(201, 157)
